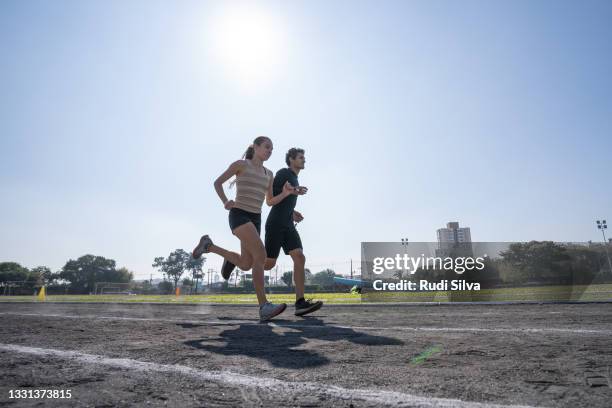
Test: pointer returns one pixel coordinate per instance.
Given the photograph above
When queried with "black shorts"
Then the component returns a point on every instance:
(285, 237)
(238, 217)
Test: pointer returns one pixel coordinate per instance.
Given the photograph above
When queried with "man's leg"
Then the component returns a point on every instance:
(299, 262)
(292, 245)
(270, 263)
(302, 306)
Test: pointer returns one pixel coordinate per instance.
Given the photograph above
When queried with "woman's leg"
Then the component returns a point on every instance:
(250, 240)
(244, 260)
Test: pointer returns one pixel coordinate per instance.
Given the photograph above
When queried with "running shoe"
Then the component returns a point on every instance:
(303, 307)
(203, 247)
(269, 310)
(226, 269)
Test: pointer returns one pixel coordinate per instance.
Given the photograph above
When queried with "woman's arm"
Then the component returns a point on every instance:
(232, 170)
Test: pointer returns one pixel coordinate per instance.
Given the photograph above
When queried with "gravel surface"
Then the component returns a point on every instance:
(196, 355)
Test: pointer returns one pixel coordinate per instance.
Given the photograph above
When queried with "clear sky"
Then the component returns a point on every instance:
(116, 117)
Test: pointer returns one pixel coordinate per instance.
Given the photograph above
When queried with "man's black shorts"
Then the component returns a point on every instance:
(285, 237)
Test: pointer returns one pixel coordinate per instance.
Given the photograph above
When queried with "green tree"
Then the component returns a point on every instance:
(324, 278)
(538, 261)
(195, 266)
(119, 275)
(586, 263)
(307, 275)
(84, 272)
(287, 278)
(45, 275)
(165, 287)
(12, 271)
(174, 265)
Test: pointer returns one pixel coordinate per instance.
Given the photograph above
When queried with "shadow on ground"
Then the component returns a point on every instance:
(283, 349)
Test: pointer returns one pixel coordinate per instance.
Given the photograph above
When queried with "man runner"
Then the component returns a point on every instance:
(281, 231)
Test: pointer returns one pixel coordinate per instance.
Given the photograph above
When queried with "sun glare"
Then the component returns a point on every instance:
(250, 44)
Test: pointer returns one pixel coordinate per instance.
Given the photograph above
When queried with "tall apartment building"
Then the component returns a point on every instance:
(453, 234)
(454, 241)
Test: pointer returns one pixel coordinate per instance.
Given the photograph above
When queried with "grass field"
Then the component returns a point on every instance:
(539, 293)
(216, 298)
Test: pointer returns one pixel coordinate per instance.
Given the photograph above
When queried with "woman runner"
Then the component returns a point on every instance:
(253, 184)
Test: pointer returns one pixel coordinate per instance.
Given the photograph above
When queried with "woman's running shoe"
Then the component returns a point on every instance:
(202, 247)
(269, 310)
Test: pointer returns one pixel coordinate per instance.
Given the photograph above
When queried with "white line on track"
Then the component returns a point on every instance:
(229, 322)
(145, 319)
(272, 385)
(474, 329)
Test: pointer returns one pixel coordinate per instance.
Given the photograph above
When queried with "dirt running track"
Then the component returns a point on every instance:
(471, 356)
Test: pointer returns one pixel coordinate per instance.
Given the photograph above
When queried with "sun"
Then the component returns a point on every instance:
(249, 43)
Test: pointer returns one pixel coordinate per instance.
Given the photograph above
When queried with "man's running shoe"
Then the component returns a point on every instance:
(226, 269)
(303, 307)
(202, 247)
(269, 310)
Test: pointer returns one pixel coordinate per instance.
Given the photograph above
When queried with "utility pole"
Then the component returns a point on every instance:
(603, 227)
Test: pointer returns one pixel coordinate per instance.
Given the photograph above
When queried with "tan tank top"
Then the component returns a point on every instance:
(251, 186)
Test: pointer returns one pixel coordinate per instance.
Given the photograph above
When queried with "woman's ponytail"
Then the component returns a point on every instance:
(250, 152)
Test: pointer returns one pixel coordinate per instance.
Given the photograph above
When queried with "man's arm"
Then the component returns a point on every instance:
(297, 216)
(272, 199)
(280, 178)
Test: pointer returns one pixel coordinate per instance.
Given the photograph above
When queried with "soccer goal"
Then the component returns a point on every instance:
(18, 288)
(113, 288)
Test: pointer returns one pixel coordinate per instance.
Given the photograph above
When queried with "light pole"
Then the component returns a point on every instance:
(601, 225)
(210, 272)
(405, 245)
